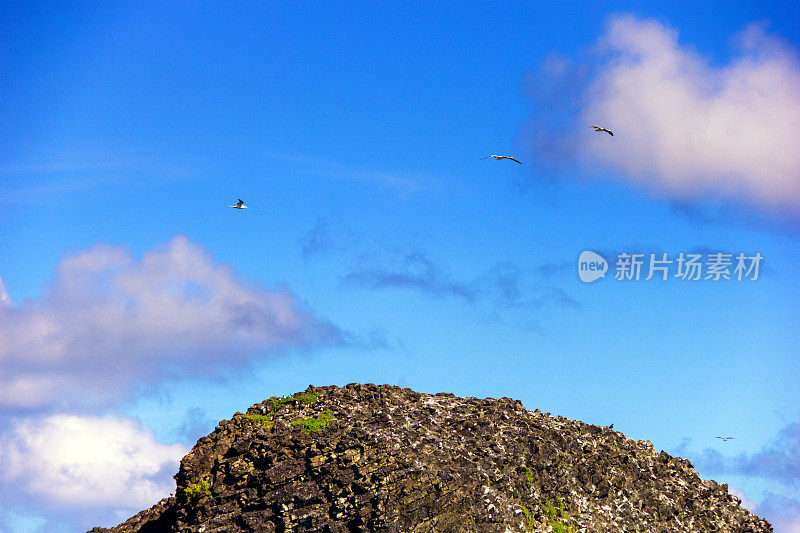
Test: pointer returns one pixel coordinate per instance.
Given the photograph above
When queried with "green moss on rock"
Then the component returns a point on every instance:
(193, 491)
(312, 424)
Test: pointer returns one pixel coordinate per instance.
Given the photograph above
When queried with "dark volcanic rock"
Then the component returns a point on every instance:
(381, 458)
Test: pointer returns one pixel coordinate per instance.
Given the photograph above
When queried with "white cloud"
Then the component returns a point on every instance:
(5, 300)
(747, 503)
(690, 129)
(109, 323)
(88, 461)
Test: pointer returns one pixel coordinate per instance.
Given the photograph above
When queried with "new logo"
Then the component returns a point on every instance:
(591, 266)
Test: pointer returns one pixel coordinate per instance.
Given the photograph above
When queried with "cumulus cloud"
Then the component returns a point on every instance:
(109, 323)
(87, 461)
(690, 129)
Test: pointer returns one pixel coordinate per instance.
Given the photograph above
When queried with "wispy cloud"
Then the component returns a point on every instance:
(550, 133)
(61, 170)
(505, 286)
(747, 503)
(110, 323)
(510, 287)
(553, 269)
(324, 237)
(5, 299)
(416, 271)
(782, 512)
(736, 215)
(316, 240)
(196, 423)
(405, 183)
(778, 461)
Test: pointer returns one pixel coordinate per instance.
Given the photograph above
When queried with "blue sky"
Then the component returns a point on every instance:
(137, 309)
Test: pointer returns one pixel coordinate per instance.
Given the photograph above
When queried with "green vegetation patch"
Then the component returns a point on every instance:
(192, 492)
(275, 404)
(312, 424)
(529, 475)
(306, 399)
(561, 512)
(528, 517)
(557, 517)
(549, 511)
(264, 420)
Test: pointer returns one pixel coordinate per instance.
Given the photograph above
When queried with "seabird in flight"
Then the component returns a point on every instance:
(240, 205)
(726, 438)
(499, 157)
(598, 128)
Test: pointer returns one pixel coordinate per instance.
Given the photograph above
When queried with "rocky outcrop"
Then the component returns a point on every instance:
(382, 458)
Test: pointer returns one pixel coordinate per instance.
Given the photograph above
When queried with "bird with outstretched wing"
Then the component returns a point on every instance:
(499, 157)
(598, 128)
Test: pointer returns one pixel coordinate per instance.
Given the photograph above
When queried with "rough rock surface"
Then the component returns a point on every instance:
(382, 458)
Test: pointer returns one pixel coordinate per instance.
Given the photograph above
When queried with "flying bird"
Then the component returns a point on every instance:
(240, 205)
(598, 128)
(499, 157)
(726, 438)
